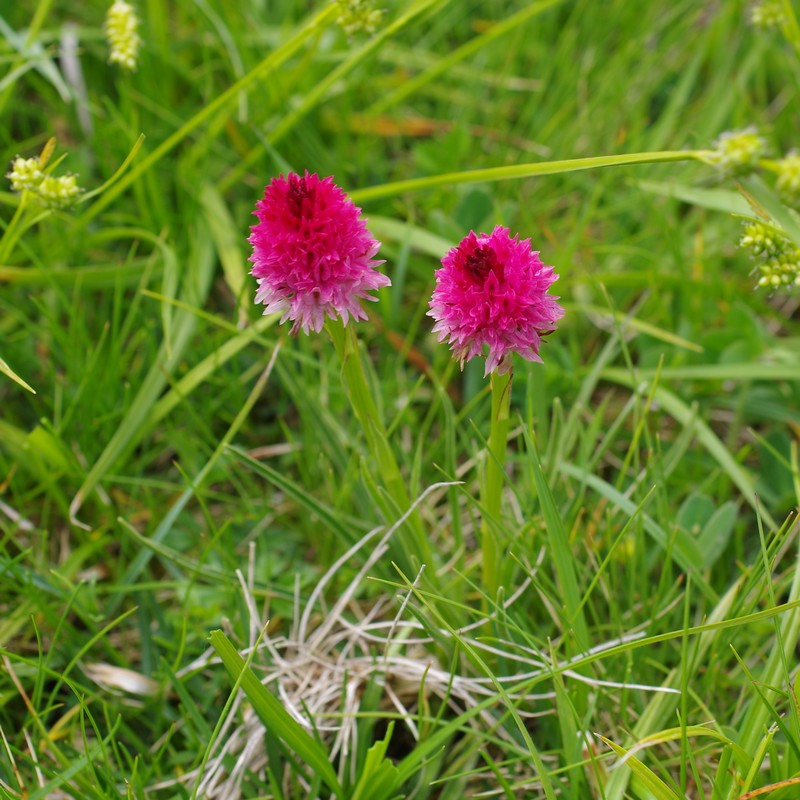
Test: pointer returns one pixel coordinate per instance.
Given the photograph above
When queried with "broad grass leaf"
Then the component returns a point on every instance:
(274, 715)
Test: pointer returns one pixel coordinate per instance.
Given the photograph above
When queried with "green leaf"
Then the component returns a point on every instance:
(516, 171)
(379, 778)
(417, 238)
(7, 371)
(713, 541)
(225, 235)
(724, 200)
(561, 553)
(649, 779)
(274, 715)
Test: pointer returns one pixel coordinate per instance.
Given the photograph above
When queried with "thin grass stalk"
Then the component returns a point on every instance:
(529, 170)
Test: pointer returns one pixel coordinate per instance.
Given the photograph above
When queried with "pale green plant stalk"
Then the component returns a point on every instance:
(412, 537)
(530, 170)
(492, 485)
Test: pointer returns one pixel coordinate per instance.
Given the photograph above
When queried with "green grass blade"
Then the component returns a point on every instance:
(274, 716)
(560, 552)
(651, 781)
(518, 171)
(9, 373)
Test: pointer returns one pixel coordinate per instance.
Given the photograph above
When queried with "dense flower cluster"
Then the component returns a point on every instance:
(358, 15)
(767, 14)
(56, 192)
(738, 152)
(25, 174)
(492, 290)
(312, 253)
(788, 182)
(779, 259)
(122, 35)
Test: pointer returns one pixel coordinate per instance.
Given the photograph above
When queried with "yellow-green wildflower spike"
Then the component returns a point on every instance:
(788, 182)
(59, 192)
(25, 174)
(767, 14)
(781, 272)
(121, 32)
(764, 240)
(738, 152)
(779, 259)
(358, 15)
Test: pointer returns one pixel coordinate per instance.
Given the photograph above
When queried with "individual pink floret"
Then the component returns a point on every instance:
(492, 290)
(312, 253)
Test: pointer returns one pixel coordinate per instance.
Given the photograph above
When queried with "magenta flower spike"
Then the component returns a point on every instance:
(492, 290)
(312, 253)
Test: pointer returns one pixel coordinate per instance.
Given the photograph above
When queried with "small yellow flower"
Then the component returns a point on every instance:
(25, 174)
(121, 33)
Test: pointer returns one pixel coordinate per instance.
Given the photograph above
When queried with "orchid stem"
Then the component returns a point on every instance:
(492, 487)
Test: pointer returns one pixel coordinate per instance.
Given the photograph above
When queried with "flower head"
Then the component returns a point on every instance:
(738, 152)
(55, 192)
(767, 14)
(312, 253)
(358, 15)
(788, 182)
(781, 271)
(122, 34)
(764, 240)
(777, 258)
(492, 289)
(25, 174)
(59, 192)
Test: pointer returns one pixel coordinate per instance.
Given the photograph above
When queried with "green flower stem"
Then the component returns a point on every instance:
(525, 171)
(492, 487)
(412, 536)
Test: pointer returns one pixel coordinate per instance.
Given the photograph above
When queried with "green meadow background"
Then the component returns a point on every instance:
(185, 466)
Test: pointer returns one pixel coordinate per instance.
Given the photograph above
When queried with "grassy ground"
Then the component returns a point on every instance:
(185, 466)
